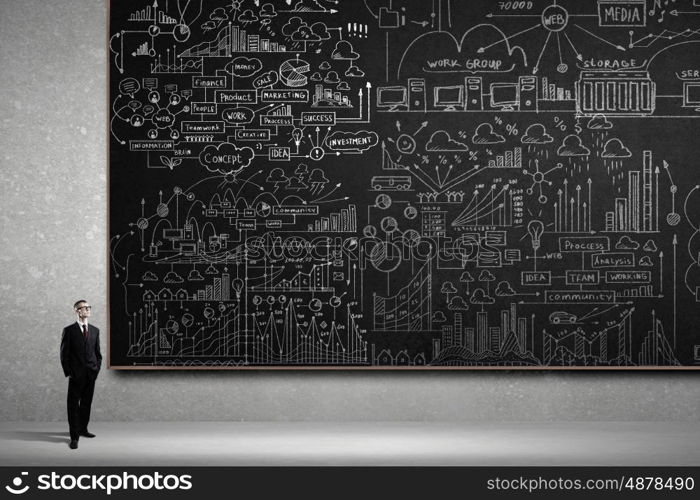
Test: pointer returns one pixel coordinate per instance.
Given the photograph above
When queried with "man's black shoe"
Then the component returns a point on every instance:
(73, 444)
(87, 434)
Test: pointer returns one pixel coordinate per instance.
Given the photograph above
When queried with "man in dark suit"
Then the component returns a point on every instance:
(81, 360)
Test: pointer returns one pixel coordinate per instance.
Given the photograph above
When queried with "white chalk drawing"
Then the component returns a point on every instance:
(404, 183)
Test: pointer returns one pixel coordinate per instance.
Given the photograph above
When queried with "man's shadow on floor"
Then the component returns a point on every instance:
(39, 436)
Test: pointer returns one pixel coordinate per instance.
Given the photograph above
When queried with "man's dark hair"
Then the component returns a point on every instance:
(75, 306)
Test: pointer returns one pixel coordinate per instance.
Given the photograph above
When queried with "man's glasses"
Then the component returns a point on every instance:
(88, 308)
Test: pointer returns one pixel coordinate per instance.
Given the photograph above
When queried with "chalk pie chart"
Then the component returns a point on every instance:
(292, 72)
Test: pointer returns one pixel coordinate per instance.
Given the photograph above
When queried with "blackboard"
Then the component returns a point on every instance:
(404, 184)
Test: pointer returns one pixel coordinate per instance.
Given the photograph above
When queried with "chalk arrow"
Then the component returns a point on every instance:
(578, 54)
(618, 47)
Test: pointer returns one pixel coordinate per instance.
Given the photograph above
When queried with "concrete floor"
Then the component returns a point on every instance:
(354, 443)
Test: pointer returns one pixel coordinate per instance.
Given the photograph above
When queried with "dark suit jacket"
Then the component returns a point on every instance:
(77, 354)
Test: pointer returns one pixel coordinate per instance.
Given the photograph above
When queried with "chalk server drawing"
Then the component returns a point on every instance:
(404, 183)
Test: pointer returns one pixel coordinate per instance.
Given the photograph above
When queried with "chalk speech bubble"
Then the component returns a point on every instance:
(226, 158)
(266, 79)
(129, 86)
(244, 67)
(238, 116)
(163, 118)
(352, 141)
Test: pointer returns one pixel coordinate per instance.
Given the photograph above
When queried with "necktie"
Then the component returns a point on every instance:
(85, 332)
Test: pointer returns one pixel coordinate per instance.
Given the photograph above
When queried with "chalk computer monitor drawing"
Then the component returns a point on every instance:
(691, 95)
(449, 98)
(392, 98)
(504, 96)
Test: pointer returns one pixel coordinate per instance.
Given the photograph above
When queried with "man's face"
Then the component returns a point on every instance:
(83, 310)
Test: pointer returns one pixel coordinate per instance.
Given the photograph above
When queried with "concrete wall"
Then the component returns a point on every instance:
(53, 112)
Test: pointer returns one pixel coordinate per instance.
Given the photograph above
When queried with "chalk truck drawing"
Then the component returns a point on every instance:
(404, 184)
